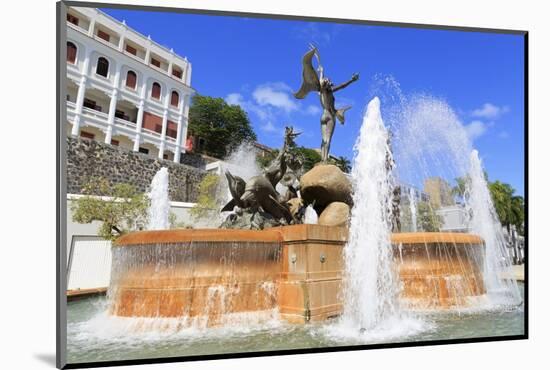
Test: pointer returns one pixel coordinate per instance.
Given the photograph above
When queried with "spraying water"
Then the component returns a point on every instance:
(501, 288)
(430, 141)
(372, 287)
(412, 207)
(242, 161)
(159, 208)
(311, 216)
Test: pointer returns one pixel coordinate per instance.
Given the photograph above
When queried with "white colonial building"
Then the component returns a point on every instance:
(123, 88)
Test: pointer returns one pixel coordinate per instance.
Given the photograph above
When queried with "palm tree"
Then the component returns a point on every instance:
(517, 212)
(459, 190)
(343, 163)
(502, 193)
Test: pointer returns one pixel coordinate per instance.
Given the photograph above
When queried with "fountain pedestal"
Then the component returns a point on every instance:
(311, 276)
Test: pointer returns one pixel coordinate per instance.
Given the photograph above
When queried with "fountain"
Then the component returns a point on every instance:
(194, 273)
(412, 209)
(159, 208)
(371, 287)
(276, 254)
(206, 277)
(501, 288)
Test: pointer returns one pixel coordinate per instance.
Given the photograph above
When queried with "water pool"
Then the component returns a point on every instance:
(94, 336)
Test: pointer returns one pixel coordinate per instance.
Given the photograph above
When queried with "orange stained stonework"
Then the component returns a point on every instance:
(297, 269)
(198, 235)
(439, 270)
(435, 237)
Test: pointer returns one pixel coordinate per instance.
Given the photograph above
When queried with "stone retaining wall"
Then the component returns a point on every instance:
(88, 159)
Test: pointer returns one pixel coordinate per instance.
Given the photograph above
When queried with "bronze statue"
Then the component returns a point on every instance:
(314, 82)
(258, 194)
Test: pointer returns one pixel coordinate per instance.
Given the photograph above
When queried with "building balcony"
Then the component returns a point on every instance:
(95, 121)
(78, 28)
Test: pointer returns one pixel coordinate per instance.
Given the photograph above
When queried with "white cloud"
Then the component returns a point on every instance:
(475, 129)
(313, 110)
(489, 110)
(313, 33)
(269, 127)
(270, 105)
(275, 95)
(249, 106)
(235, 99)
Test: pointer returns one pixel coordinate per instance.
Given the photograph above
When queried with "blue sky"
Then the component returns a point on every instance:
(256, 63)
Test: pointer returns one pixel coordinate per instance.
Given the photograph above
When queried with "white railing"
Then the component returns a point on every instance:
(107, 43)
(151, 132)
(164, 71)
(100, 120)
(77, 28)
(124, 123)
(139, 59)
(95, 113)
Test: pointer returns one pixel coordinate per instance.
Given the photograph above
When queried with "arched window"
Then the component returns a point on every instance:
(155, 92)
(175, 99)
(102, 68)
(131, 79)
(71, 52)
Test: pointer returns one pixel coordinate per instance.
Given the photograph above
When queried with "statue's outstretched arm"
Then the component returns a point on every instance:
(353, 78)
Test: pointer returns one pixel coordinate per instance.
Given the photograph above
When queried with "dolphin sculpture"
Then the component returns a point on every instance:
(256, 192)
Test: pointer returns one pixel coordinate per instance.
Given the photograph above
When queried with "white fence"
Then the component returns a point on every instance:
(89, 263)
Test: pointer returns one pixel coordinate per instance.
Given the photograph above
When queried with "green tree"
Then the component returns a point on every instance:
(510, 208)
(427, 218)
(311, 157)
(207, 200)
(121, 209)
(459, 190)
(343, 163)
(518, 213)
(501, 194)
(267, 158)
(222, 126)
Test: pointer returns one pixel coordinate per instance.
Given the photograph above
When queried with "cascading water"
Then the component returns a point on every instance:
(371, 286)
(159, 209)
(412, 207)
(501, 288)
(430, 141)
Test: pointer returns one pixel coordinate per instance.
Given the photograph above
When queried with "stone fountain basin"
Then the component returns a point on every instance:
(297, 270)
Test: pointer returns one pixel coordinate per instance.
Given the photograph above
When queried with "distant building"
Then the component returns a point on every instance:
(407, 190)
(439, 192)
(123, 88)
(454, 218)
(263, 150)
